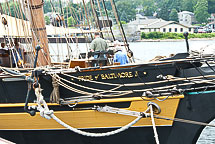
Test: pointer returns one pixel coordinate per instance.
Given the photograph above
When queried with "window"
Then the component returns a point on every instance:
(176, 29)
(141, 28)
(164, 29)
(155, 30)
(149, 30)
(181, 29)
(190, 29)
(170, 30)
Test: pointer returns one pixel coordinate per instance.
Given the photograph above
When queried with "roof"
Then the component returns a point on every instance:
(163, 23)
(145, 21)
(160, 24)
(186, 12)
(150, 17)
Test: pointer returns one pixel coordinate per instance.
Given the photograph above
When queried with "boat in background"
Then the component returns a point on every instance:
(167, 101)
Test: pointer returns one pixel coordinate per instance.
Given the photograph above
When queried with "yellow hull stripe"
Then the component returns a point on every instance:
(90, 118)
(115, 100)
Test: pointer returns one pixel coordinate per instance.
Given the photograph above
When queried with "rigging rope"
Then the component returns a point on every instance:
(153, 125)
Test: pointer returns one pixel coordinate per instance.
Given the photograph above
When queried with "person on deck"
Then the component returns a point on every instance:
(17, 54)
(98, 44)
(2, 49)
(120, 57)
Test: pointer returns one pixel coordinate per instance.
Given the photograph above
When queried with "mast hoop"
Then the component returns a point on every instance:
(38, 29)
(35, 6)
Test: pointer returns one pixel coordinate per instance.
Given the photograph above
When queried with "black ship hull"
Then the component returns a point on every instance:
(196, 105)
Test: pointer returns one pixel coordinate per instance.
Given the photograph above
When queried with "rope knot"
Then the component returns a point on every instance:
(46, 113)
(148, 94)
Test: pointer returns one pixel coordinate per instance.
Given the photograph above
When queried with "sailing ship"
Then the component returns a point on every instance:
(167, 101)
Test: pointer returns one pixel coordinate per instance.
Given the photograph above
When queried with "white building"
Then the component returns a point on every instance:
(142, 21)
(167, 26)
(186, 18)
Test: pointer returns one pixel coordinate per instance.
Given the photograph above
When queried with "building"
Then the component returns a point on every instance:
(186, 18)
(141, 22)
(167, 26)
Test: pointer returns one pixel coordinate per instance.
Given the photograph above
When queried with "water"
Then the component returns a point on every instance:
(142, 50)
(146, 51)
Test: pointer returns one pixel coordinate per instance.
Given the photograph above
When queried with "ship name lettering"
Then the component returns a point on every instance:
(87, 77)
(117, 75)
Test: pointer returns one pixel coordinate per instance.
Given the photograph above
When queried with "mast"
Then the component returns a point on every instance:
(106, 13)
(96, 17)
(129, 52)
(38, 29)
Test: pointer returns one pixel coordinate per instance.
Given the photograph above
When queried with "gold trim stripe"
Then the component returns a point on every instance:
(95, 101)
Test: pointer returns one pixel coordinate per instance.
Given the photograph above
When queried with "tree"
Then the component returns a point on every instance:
(149, 7)
(126, 10)
(201, 11)
(47, 7)
(47, 20)
(163, 11)
(173, 16)
(187, 5)
(71, 21)
(175, 4)
(211, 6)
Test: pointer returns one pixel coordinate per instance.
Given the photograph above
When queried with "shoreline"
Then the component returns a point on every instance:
(174, 40)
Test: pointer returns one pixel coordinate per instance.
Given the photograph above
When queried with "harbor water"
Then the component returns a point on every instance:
(144, 51)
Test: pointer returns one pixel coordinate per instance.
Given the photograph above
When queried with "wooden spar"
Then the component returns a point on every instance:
(39, 34)
(96, 17)
(106, 13)
(129, 52)
(88, 23)
(120, 24)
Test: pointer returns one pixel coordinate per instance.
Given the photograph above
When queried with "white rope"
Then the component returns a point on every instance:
(96, 134)
(58, 80)
(154, 127)
(48, 114)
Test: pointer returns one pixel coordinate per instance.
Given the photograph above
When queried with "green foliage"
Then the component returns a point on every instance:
(126, 10)
(123, 22)
(12, 8)
(160, 35)
(201, 11)
(47, 20)
(211, 6)
(173, 16)
(164, 10)
(71, 21)
(47, 7)
(143, 35)
(148, 7)
(187, 5)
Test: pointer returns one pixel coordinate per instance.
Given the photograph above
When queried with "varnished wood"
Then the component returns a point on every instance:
(39, 36)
